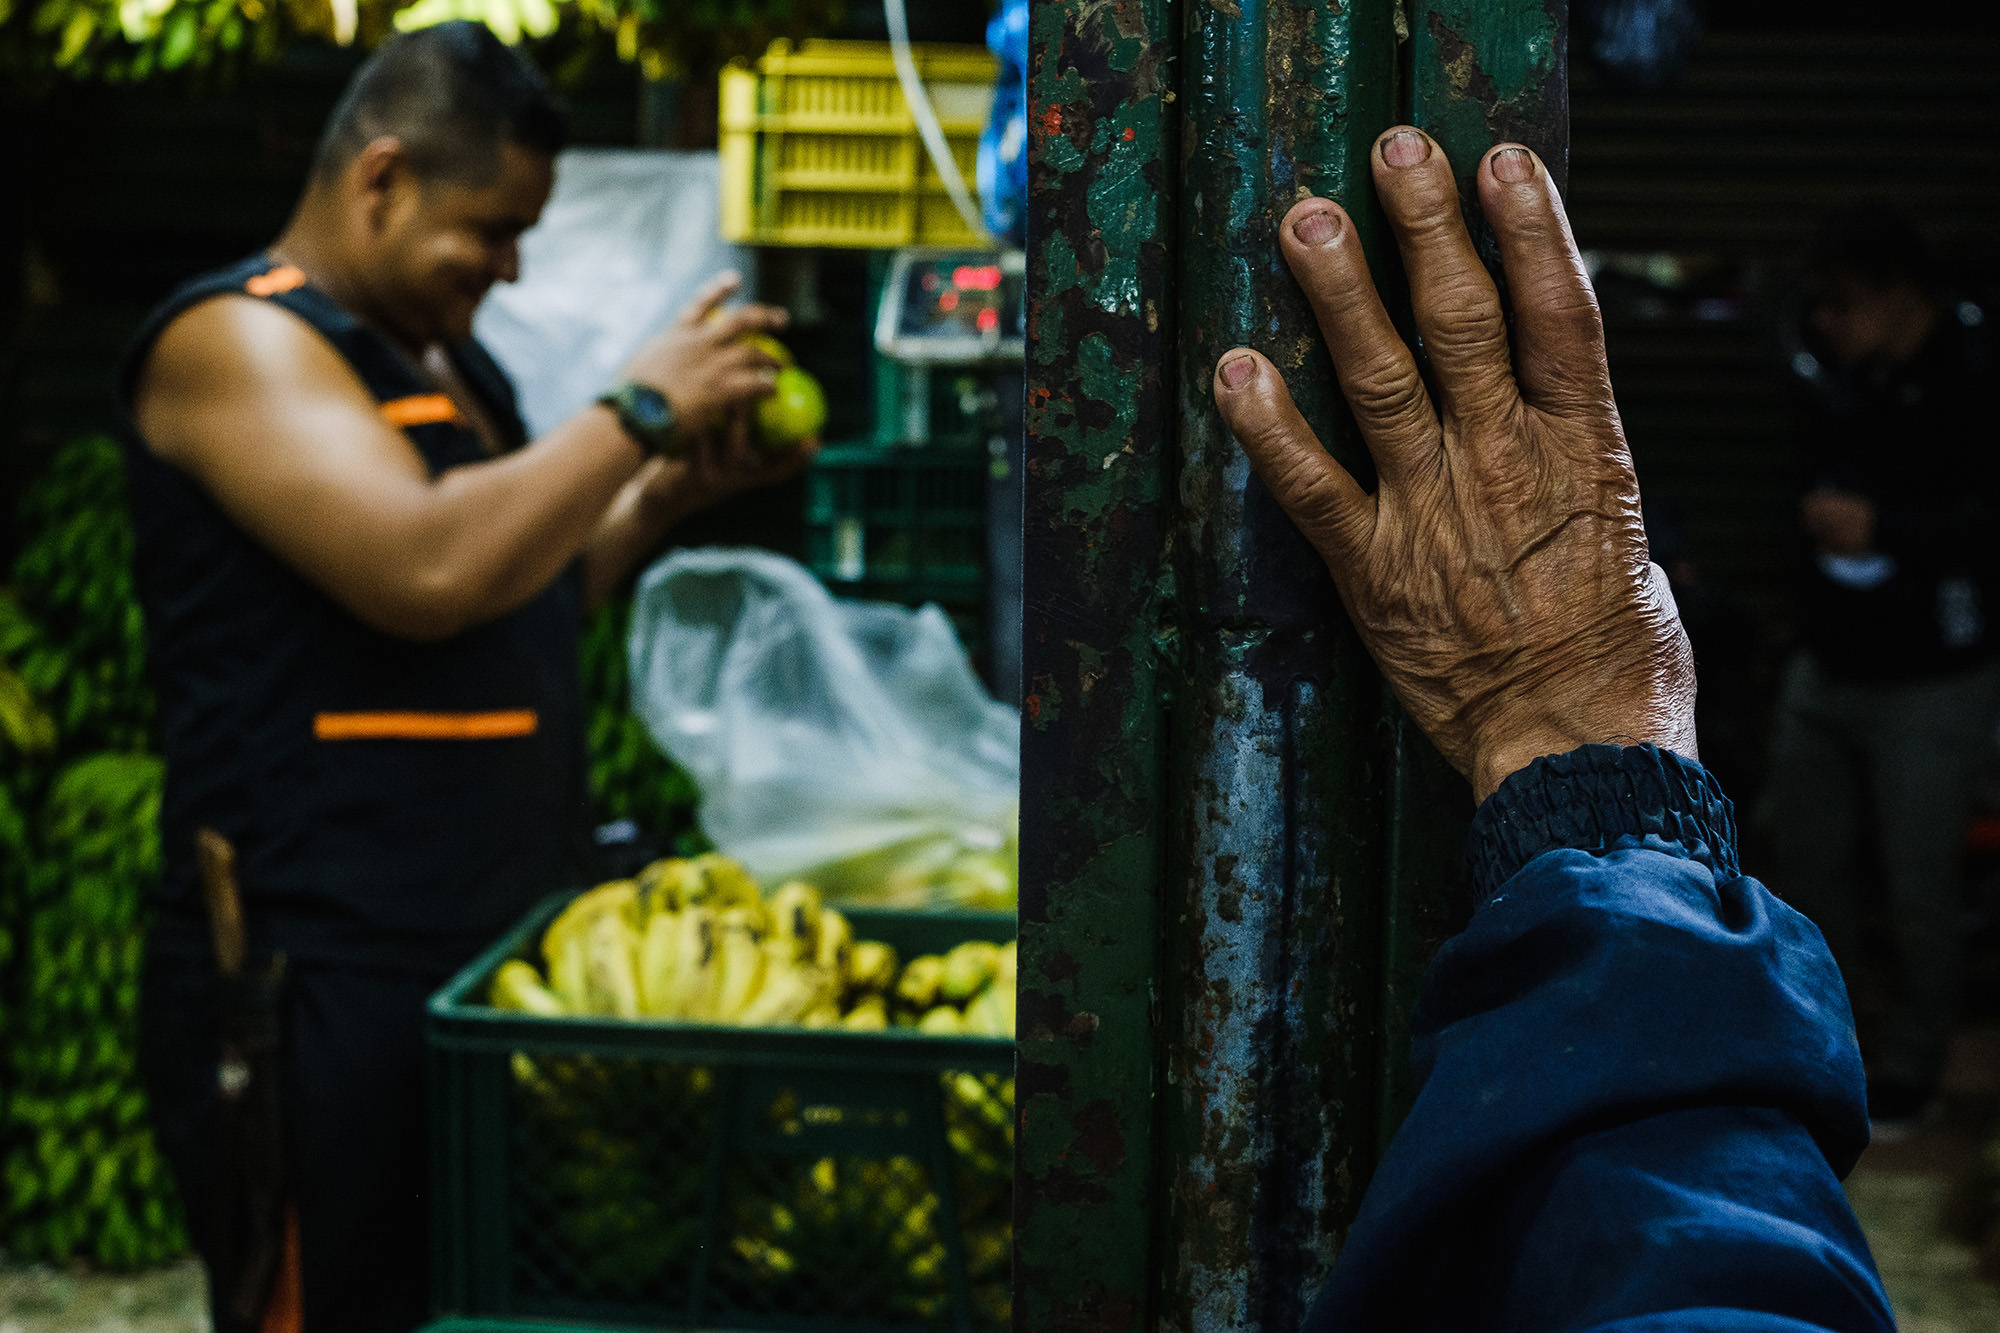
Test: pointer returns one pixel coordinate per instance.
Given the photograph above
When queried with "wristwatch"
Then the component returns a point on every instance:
(646, 415)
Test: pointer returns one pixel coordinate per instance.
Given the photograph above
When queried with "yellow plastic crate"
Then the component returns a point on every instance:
(819, 147)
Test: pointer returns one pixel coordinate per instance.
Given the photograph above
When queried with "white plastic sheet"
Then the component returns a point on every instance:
(625, 241)
(848, 743)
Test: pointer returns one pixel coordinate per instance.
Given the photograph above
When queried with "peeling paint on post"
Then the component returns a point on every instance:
(1274, 973)
(1098, 624)
(1236, 853)
(1483, 71)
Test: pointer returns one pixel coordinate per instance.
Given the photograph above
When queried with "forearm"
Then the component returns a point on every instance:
(486, 538)
(1636, 1063)
(630, 529)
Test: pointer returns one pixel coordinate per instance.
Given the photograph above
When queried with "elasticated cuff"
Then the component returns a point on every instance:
(1590, 798)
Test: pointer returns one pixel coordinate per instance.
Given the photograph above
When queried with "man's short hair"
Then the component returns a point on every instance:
(453, 94)
(1874, 242)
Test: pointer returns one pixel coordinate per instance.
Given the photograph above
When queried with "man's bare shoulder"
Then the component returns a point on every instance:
(227, 356)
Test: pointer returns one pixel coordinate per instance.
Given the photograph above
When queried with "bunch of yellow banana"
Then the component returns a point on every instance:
(695, 940)
(509, 19)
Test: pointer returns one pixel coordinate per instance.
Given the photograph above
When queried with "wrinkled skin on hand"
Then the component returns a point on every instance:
(1499, 572)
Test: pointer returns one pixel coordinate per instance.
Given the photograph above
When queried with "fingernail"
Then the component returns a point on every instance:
(1317, 228)
(1405, 148)
(1237, 373)
(1513, 165)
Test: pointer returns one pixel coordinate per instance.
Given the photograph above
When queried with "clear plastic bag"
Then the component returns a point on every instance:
(627, 239)
(846, 743)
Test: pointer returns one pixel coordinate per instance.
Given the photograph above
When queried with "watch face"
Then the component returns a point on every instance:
(648, 407)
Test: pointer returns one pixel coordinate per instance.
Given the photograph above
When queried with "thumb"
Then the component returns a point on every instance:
(1320, 495)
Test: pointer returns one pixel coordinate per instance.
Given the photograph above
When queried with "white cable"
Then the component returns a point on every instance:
(925, 115)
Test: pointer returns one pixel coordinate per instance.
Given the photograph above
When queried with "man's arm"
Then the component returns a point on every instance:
(264, 414)
(720, 463)
(1639, 1077)
(1639, 1083)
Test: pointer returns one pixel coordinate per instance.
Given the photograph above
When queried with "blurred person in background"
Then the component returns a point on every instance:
(1887, 710)
(363, 586)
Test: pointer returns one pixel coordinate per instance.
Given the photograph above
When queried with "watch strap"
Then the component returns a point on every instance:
(645, 414)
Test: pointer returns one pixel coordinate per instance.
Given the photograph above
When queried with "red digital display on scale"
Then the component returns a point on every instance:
(944, 299)
(976, 277)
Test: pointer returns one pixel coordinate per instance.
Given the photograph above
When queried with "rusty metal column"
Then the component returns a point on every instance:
(1278, 777)
(1096, 629)
(1236, 854)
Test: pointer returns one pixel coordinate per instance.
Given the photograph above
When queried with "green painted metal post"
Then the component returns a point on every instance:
(1097, 631)
(1274, 972)
(1236, 853)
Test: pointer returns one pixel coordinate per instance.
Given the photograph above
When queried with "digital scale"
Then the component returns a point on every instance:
(954, 309)
(963, 312)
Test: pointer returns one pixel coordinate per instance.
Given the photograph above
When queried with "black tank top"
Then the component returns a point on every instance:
(390, 802)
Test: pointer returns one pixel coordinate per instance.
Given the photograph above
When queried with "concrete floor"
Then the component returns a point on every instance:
(1899, 1191)
(45, 1300)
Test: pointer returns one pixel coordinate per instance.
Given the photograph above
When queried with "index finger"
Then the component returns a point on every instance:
(712, 294)
(748, 318)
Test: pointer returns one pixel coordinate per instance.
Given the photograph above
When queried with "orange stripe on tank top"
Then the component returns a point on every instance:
(420, 409)
(426, 726)
(276, 282)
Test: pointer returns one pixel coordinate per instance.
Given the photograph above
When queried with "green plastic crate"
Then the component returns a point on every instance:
(909, 524)
(611, 1174)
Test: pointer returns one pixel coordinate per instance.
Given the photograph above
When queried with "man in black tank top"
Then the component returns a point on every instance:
(363, 586)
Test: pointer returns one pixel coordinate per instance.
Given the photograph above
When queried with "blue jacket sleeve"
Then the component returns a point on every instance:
(1639, 1086)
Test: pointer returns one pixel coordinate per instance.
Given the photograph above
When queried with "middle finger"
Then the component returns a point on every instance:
(1452, 297)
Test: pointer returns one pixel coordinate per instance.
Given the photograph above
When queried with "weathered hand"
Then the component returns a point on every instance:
(702, 362)
(1499, 573)
(721, 463)
(1842, 522)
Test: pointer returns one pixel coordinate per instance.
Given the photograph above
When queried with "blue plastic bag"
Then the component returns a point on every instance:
(1642, 44)
(1003, 147)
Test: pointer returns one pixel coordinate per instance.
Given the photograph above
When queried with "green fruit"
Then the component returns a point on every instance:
(967, 969)
(943, 1021)
(771, 347)
(794, 411)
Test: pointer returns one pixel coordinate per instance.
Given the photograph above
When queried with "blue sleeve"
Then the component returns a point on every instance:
(1639, 1086)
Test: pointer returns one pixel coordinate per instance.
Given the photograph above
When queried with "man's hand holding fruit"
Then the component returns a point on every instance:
(749, 415)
